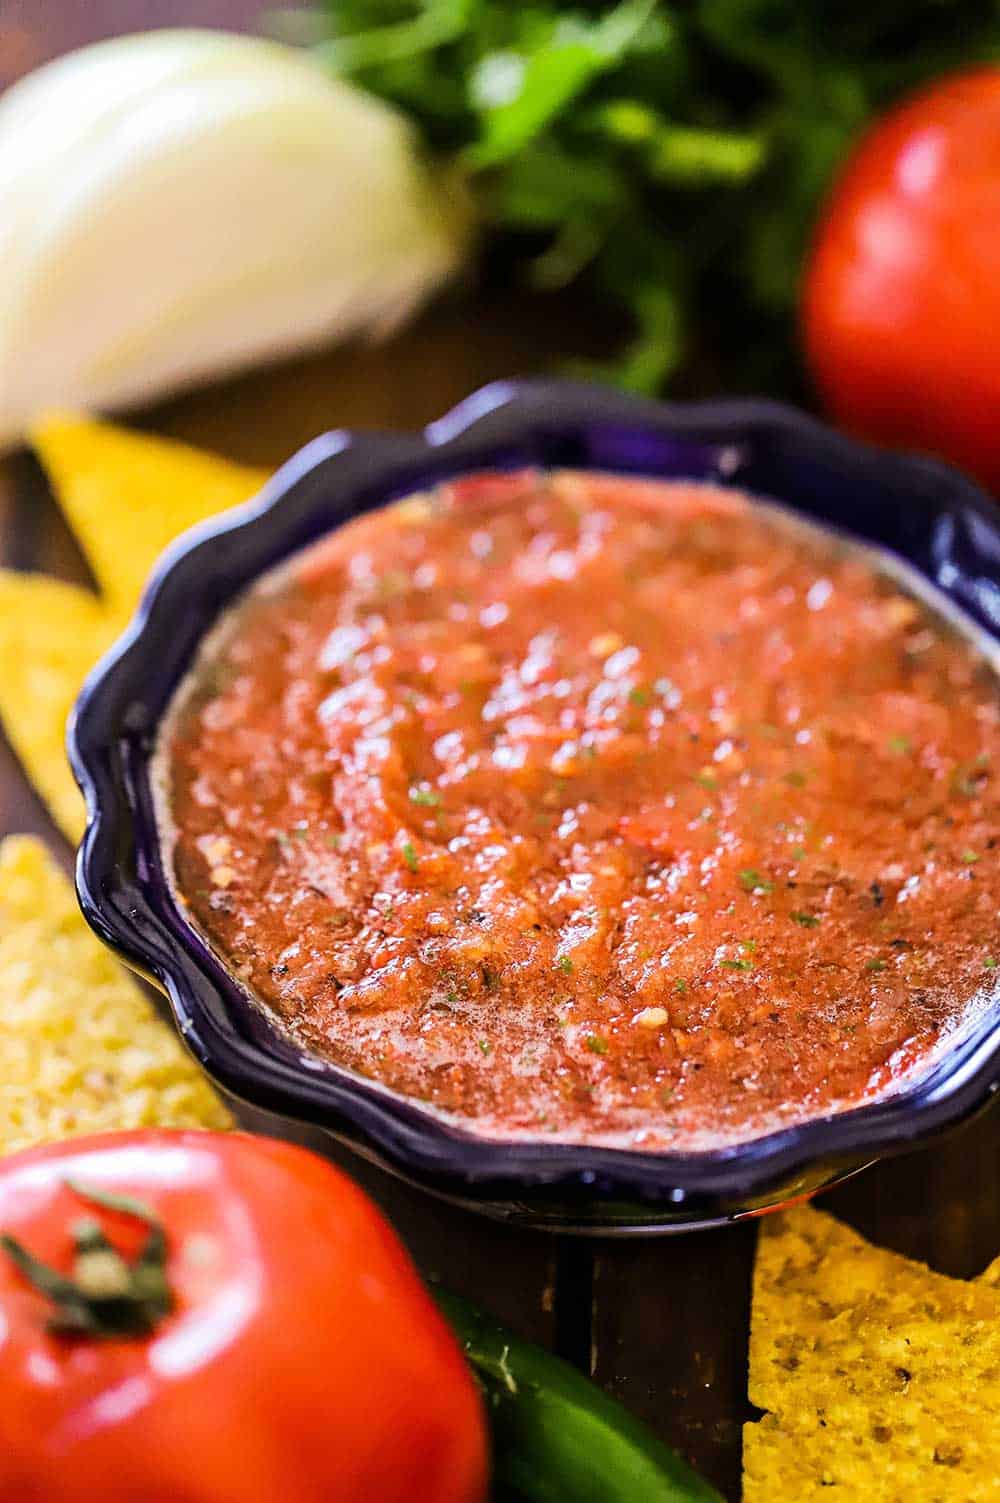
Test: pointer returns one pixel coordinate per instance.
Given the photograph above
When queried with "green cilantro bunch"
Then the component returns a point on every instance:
(673, 154)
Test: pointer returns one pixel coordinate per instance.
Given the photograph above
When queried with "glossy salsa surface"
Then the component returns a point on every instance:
(610, 810)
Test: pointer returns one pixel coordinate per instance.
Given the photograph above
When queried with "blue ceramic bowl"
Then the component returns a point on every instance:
(922, 512)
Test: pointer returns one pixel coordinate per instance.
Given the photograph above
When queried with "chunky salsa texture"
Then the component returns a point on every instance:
(615, 810)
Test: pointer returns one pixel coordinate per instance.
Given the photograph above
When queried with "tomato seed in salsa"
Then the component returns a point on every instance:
(614, 810)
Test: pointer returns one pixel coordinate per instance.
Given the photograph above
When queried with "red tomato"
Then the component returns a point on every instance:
(303, 1359)
(901, 304)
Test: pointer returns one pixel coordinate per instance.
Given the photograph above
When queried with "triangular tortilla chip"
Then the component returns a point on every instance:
(126, 497)
(784, 1464)
(881, 1378)
(81, 1048)
(51, 635)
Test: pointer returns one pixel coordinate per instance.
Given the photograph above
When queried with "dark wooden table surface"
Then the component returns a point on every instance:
(662, 1323)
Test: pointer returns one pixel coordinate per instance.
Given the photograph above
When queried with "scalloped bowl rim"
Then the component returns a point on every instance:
(123, 907)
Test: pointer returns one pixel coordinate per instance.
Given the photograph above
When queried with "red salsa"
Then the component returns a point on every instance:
(614, 810)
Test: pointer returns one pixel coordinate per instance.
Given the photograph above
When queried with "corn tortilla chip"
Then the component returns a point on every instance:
(787, 1465)
(881, 1378)
(51, 635)
(126, 497)
(81, 1048)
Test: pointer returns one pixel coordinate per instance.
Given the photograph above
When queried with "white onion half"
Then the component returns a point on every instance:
(182, 203)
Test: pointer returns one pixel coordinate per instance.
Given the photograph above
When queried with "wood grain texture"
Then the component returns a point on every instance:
(662, 1323)
(669, 1338)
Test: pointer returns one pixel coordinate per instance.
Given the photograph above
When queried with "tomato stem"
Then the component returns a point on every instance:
(106, 1296)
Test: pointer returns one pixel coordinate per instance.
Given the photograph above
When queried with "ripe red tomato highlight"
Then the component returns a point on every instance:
(901, 298)
(302, 1358)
